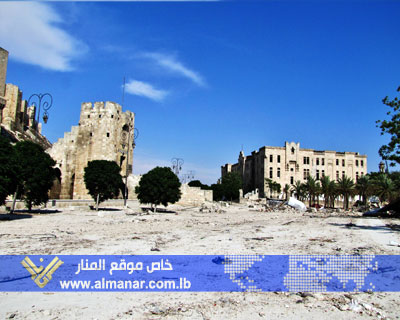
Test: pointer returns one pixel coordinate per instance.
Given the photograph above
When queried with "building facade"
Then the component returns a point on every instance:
(288, 164)
(17, 119)
(104, 132)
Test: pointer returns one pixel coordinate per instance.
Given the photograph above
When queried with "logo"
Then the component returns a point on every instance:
(39, 276)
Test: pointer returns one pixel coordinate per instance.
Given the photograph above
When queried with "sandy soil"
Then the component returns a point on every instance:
(238, 230)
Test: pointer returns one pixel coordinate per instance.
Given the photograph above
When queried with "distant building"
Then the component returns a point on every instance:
(288, 164)
(17, 119)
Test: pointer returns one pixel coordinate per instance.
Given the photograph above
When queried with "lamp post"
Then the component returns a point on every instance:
(177, 164)
(189, 176)
(46, 104)
(127, 130)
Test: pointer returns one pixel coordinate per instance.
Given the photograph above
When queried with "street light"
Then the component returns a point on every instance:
(46, 104)
(189, 176)
(125, 142)
(177, 164)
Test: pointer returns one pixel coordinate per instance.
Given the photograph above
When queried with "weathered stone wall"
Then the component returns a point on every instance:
(3, 70)
(194, 195)
(290, 163)
(190, 195)
(97, 137)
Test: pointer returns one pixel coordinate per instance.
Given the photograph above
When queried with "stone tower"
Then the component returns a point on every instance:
(97, 137)
(3, 70)
(3, 73)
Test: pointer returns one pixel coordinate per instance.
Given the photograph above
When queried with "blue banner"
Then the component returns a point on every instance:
(309, 273)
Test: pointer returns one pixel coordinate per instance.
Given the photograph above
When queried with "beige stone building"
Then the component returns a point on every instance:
(102, 134)
(17, 119)
(290, 163)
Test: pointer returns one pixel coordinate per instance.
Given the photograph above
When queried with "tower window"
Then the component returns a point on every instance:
(108, 134)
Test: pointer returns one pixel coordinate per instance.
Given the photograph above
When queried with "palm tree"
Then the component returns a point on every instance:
(298, 189)
(325, 189)
(363, 187)
(346, 188)
(286, 190)
(333, 193)
(383, 187)
(274, 187)
(312, 187)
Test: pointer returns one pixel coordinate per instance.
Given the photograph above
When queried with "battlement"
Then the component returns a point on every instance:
(101, 107)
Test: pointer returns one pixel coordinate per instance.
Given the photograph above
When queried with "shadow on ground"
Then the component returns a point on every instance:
(160, 210)
(9, 216)
(385, 228)
(104, 209)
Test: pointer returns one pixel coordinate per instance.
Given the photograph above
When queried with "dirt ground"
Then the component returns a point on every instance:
(237, 230)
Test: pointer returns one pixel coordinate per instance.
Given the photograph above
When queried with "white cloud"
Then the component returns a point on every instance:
(144, 89)
(29, 34)
(173, 65)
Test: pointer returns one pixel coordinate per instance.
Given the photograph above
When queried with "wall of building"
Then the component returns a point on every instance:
(17, 120)
(3, 70)
(290, 163)
(97, 137)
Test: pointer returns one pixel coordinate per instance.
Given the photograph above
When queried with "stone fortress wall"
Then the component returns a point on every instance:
(17, 119)
(97, 137)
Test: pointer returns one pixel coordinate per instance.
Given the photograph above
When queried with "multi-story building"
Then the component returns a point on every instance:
(288, 164)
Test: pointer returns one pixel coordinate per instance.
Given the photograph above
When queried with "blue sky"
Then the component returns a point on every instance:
(205, 78)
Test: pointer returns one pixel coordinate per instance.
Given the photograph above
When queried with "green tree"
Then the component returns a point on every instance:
(383, 187)
(218, 191)
(313, 189)
(197, 183)
(346, 188)
(391, 151)
(8, 170)
(159, 186)
(364, 187)
(231, 184)
(103, 180)
(325, 189)
(36, 173)
(274, 187)
(299, 190)
(286, 190)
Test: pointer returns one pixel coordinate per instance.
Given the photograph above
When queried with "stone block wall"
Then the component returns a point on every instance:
(97, 137)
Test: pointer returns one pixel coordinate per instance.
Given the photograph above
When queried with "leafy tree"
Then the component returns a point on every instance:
(286, 190)
(197, 183)
(383, 187)
(103, 180)
(218, 191)
(36, 173)
(299, 190)
(313, 189)
(346, 188)
(159, 186)
(395, 177)
(231, 183)
(391, 151)
(326, 189)
(274, 187)
(8, 170)
(364, 187)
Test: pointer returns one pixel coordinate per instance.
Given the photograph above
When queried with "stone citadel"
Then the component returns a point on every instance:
(100, 135)
(17, 119)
